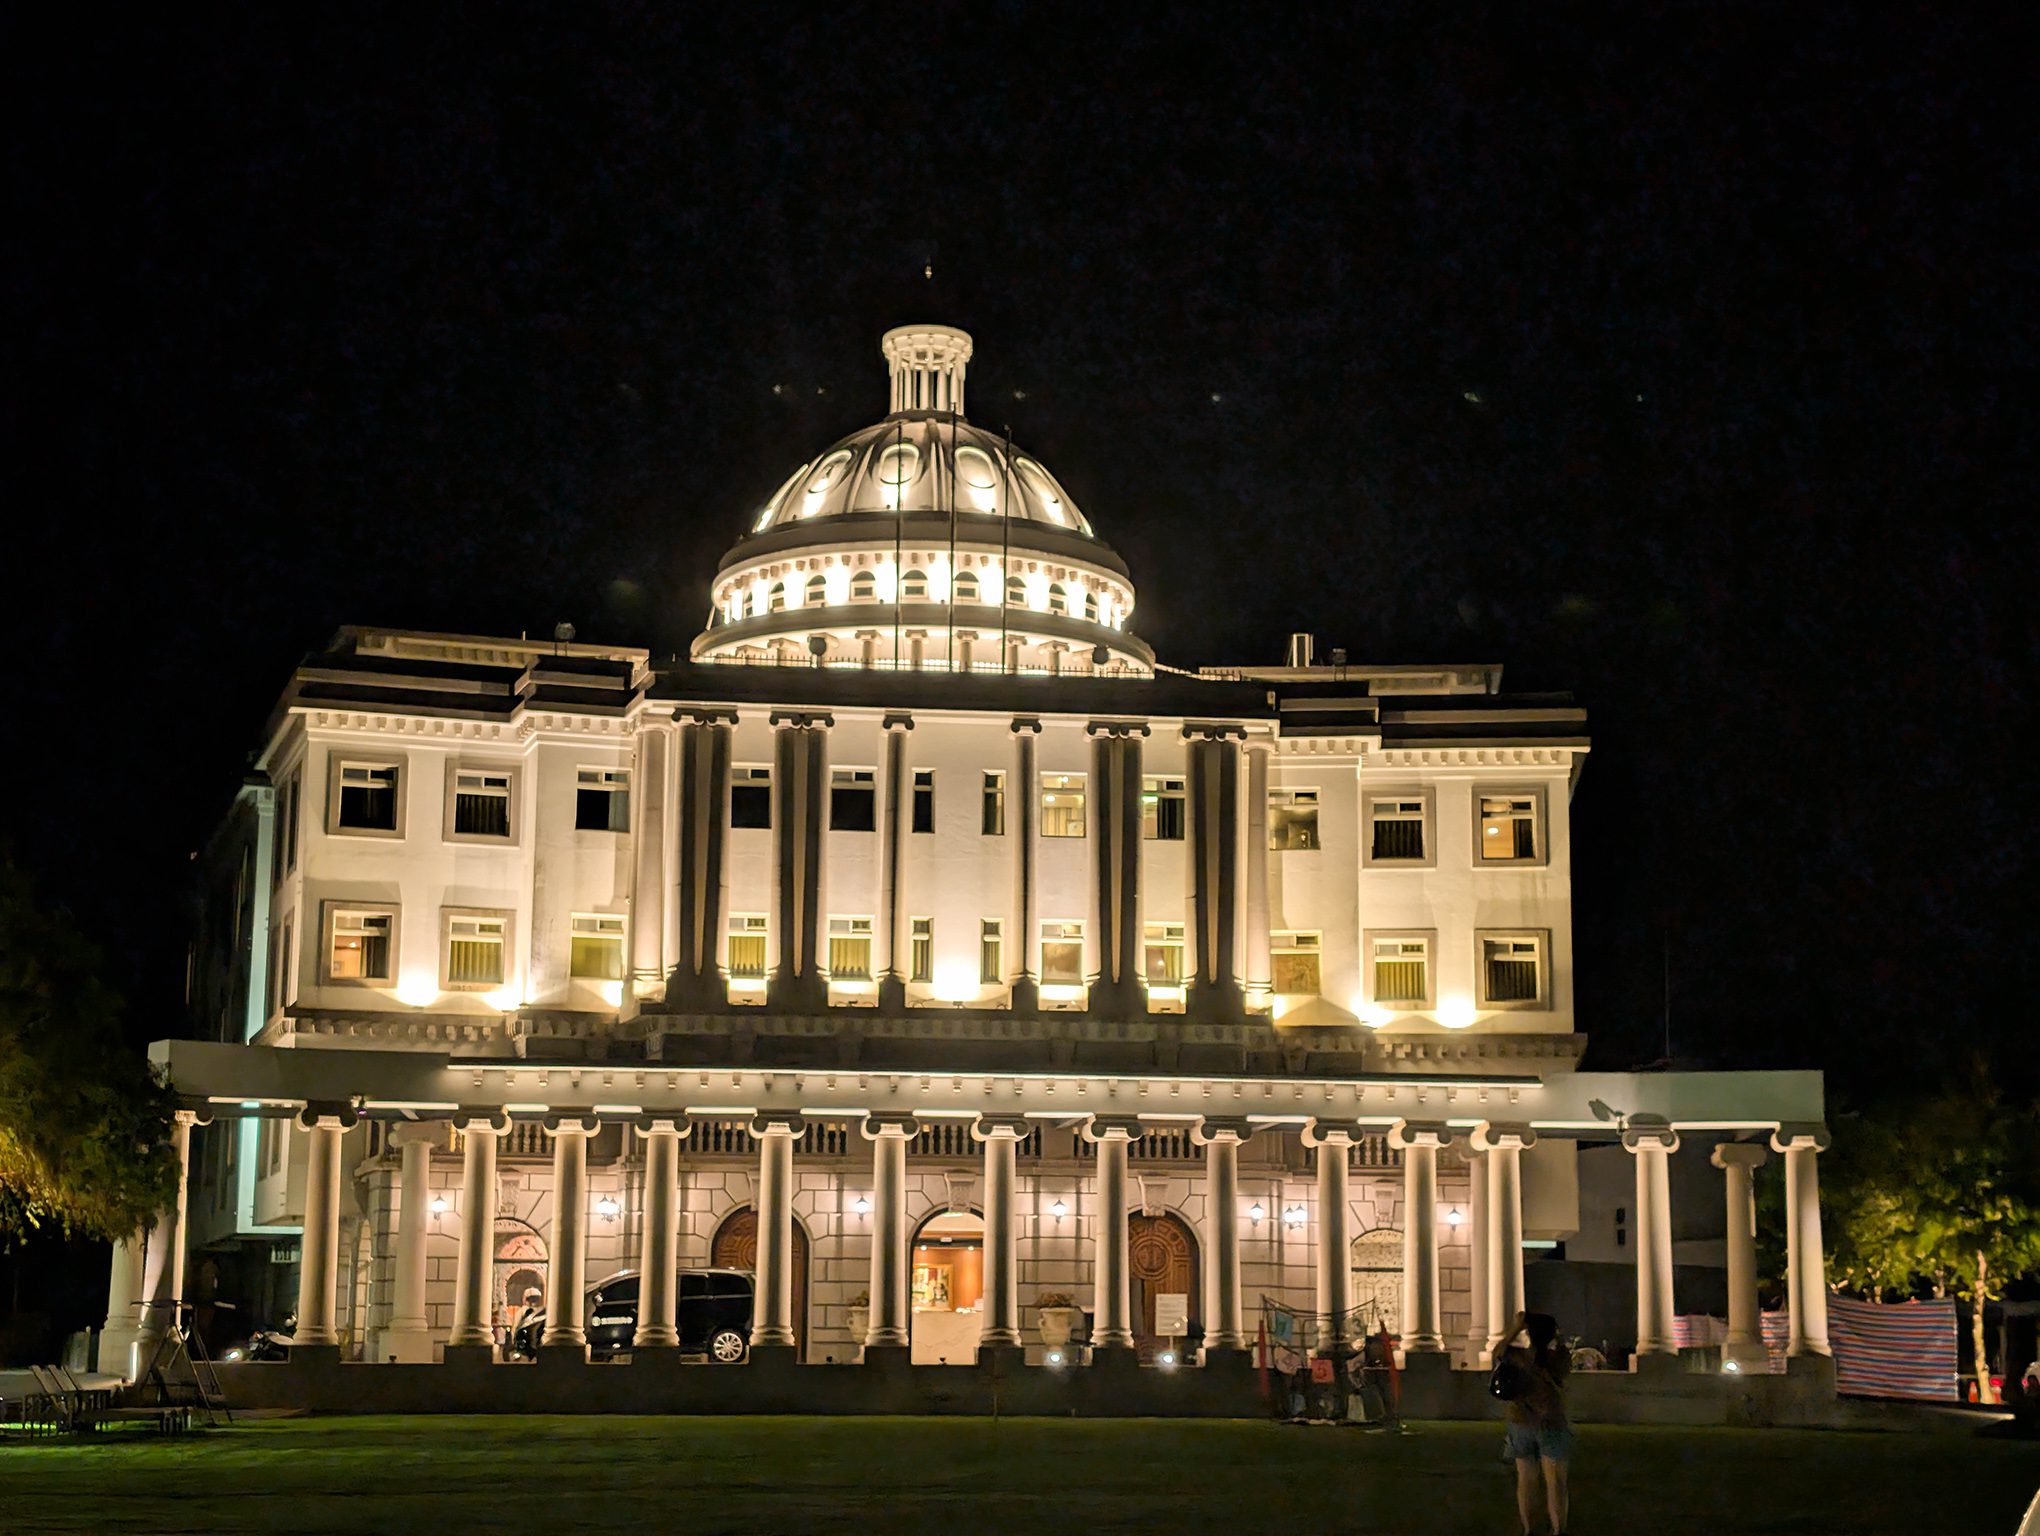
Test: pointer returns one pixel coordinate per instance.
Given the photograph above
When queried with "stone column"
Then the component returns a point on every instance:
(1118, 991)
(1477, 1326)
(1001, 1138)
(1423, 1315)
(800, 820)
(892, 856)
(319, 1252)
(474, 1336)
(408, 1338)
(1743, 1349)
(1651, 1141)
(1333, 1141)
(701, 809)
(1023, 810)
(1504, 1146)
(120, 1339)
(1254, 828)
(1214, 995)
(1805, 1265)
(1224, 1331)
(772, 1324)
(659, 1241)
(163, 1250)
(1112, 1300)
(648, 868)
(566, 1276)
(891, 1300)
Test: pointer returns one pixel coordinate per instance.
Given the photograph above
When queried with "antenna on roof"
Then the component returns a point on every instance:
(563, 633)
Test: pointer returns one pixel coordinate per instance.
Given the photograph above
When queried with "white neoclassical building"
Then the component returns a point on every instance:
(923, 946)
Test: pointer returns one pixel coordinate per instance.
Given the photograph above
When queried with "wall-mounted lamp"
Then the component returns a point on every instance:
(1453, 1218)
(1058, 1210)
(439, 1205)
(1256, 1212)
(607, 1208)
(1295, 1216)
(861, 1205)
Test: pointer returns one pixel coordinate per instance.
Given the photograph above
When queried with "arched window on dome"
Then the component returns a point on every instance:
(775, 600)
(817, 590)
(1016, 592)
(914, 587)
(864, 588)
(1091, 606)
(966, 587)
(1058, 600)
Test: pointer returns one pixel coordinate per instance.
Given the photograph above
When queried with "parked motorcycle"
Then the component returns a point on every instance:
(266, 1343)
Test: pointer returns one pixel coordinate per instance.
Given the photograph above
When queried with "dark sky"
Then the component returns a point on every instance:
(1677, 356)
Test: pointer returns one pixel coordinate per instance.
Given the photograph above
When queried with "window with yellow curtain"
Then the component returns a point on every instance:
(850, 949)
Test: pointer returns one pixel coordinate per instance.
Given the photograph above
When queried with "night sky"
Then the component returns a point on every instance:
(1677, 356)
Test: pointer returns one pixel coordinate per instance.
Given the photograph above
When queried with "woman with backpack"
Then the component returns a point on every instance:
(1530, 1381)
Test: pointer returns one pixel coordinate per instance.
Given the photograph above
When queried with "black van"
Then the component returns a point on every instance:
(713, 1315)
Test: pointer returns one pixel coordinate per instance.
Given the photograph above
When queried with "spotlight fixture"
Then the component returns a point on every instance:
(1055, 1357)
(1166, 1358)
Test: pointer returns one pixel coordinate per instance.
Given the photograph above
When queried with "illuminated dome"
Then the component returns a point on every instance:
(922, 542)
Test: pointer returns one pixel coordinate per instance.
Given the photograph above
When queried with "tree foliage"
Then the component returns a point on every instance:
(84, 1121)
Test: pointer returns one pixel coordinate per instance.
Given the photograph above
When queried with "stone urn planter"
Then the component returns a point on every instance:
(857, 1318)
(1056, 1317)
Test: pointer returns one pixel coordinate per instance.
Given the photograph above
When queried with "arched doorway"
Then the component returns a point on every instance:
(736, 1247)
(1161, 1259)
(1378, 1281)
(518, 1273)
(948, 1279)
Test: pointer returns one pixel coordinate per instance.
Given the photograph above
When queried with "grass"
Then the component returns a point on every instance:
(455, 1476)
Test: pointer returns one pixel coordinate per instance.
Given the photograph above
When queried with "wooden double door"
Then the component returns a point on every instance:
(1161, 1259)
(736, 1247)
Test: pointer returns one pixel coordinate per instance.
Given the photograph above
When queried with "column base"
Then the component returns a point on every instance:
(120, 1352)
(405, 1346)
(1227, 1357)
(774, 1357)
(1026, 995)
(1656, 1366)
(892, 995)
(558, 1357)
(887, 1357)
(1744, 1357)
(469, 1355)
(1114, 1357)
(1005, 1359)
(315, 1354)
(1817, 1369)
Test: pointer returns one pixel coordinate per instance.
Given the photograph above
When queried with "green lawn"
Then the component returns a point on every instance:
(461, 1476)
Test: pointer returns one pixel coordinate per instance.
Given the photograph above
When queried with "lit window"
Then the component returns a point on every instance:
(1402, 971)
(1162, 810)
(1512, 969)
(853, 799)
(1062, 805)
(817, 591)
(864, 588)
(745, 960)
(775, 599)
(597, 950)
(602, 800)
(475, 949)
(914, 587)
(368, 797)
(1398, 829)
(992, 808)
(850, 948)
(1058, 599)
(1091, 606)
(991, 956)
(1062, 954)
(1292, 820)
(1164, 958)
(921, 950)
(481, 803)
(751, 797)
(966, 588)
(1296, 963)
(360, 946)
(1016, 592)
(1508, 828)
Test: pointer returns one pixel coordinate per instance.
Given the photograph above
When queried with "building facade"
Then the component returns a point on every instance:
(919, 944)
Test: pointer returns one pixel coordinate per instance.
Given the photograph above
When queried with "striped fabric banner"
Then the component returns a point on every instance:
(1904, 1349)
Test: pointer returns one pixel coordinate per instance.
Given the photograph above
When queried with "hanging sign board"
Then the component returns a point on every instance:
(1172, 1314)
(1321, 1371)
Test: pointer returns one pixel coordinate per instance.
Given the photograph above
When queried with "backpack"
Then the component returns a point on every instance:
(1508, 1381)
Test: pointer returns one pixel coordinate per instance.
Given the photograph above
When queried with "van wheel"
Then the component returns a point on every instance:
(727, 1347)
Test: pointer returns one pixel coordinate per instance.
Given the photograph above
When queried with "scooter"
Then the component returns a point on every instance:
(267, 1343)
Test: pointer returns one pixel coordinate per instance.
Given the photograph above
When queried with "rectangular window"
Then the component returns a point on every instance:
(1164, 954)
(279, 974)
(481, 802)
(276, 845)
(360, 948)
(1508, 828)
(991, 952)
(1402, 971)
(476, 950)
(1162, 806)
(751, 798)
(1295, 960)
(924, 800)
(853, 799)
(850, 949)
(1512, 968)
(602, 800)
(290, 816)
(992, 811)
(921, 952)
(1398, 827)
(1062, 954)
(746, 958)
(1292, 820)
(597, 947)
(1062, 805)
(368, 797)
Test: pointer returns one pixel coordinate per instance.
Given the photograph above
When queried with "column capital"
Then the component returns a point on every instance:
(1026, 724)
(900, 721)
(483, 1121)
(1213, 730)
(704, 714)
(800, 719)
(648, 1126)
(572, 1122)
(1420, 1133)
(1739, 1154)
(1801, 1136)
(1330, 1133)
(1237, 1130)
(418, 1133)
(327, 1115)
(777, 1123)
(1259, 743)
(1112, 1128)
(872, 1127)
(1007, 1127)
(1492, 1136)
(1117, 729)
(193, 1115)
(1649, 1133)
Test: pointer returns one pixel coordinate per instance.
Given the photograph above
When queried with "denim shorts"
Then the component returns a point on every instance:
(1530, 1442)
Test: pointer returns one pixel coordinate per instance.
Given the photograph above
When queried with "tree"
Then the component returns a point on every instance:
(84, 1120)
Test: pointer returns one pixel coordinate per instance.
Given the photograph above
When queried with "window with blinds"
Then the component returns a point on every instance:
(1402, 971)
(1508, 828)
(744, 960)
(921, 949)
(1398, 828)
(481, 803)
(475, 951)
(360, 949)
(1062, 954)
(850, 949)
(1512, 969)
(991, 952)
(1062, 805)
(1295, 961)
(596, 947)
